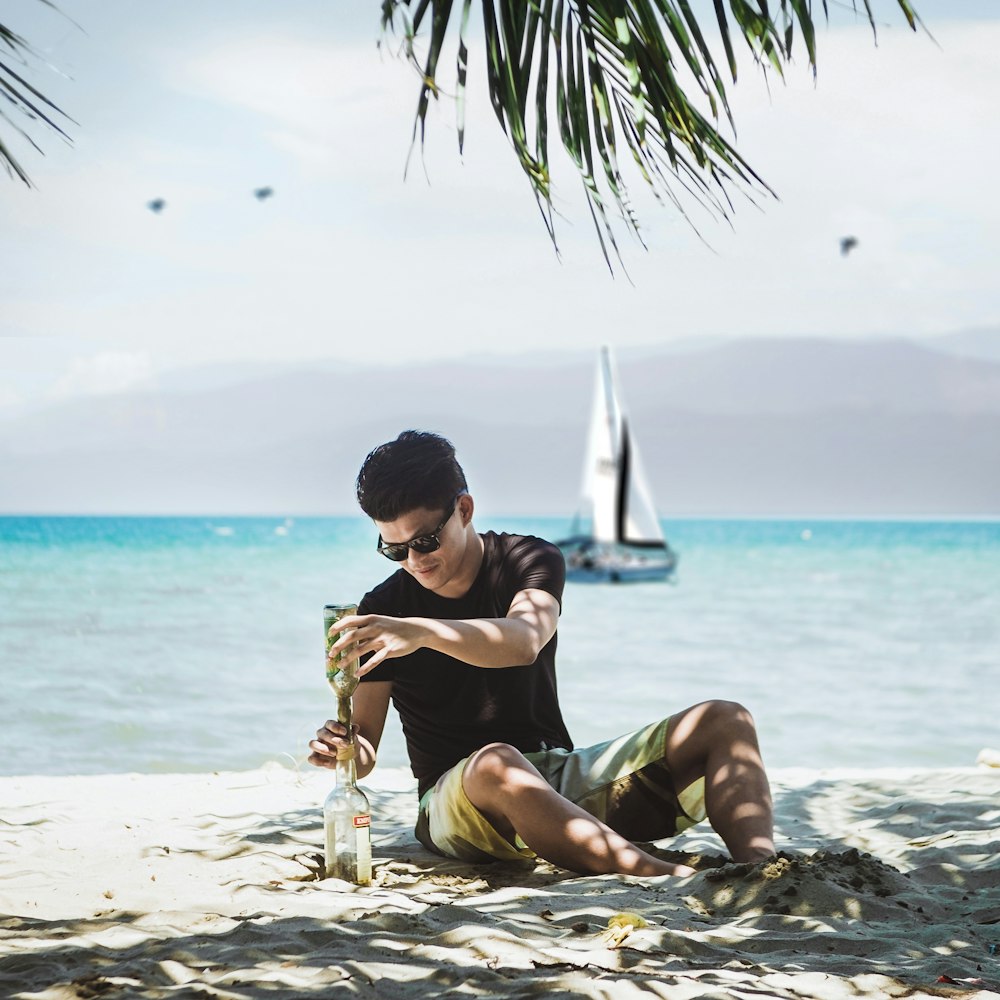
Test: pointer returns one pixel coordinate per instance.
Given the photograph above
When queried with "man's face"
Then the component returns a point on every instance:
(433, 570)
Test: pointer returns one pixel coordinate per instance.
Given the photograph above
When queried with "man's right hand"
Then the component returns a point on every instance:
(329, 740)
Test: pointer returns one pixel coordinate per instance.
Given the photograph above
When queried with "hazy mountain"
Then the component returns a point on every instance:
(746, 426)
(982, 343)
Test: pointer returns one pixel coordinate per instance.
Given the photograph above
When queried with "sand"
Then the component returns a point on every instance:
(206, 885)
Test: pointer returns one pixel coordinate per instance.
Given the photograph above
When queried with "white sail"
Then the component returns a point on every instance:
(615, 490)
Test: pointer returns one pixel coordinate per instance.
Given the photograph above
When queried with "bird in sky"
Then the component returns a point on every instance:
(157, 205)
(262, 194)
(847, 244)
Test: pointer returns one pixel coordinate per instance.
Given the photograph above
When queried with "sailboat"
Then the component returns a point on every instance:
(616, 536)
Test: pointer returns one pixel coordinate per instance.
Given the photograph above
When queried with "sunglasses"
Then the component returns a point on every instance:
(398, 551)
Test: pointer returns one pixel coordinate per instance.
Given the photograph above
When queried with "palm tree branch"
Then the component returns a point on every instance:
(26, 99)
(462, 71)
(18, 97)
(615, 69)
(542, 109)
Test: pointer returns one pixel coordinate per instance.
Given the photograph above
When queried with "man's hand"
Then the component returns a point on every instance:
(329, 740)
(379, 635)
(371, 702)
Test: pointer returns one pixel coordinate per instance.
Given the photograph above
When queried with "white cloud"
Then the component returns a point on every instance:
(331, 94)
(104, 373)
(10, 399)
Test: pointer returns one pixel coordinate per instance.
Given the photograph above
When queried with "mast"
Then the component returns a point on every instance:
(621, 500)
(636, 522)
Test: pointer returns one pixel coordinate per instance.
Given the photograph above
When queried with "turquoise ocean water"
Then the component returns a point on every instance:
(195, 644)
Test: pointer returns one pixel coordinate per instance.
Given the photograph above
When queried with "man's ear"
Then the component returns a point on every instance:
(466, 506)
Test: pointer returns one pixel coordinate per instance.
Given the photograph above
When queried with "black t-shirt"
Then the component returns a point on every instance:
(450, 709)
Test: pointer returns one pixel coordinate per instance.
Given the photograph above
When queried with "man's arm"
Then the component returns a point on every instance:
(371, 704)
(512, 641)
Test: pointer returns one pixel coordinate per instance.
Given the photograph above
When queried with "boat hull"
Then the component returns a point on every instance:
(624, 574)
(590, 562)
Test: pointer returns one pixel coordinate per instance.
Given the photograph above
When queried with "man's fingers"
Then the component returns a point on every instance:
(373, 661)
(333, 730)
(348, 621)
(330, 743)
(320, 760)
(341, 646)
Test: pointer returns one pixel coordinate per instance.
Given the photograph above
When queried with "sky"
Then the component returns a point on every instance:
(358, 260)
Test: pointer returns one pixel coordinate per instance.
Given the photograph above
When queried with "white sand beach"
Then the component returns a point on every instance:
(207, 885)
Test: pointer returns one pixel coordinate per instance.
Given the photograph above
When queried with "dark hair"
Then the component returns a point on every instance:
(418, 469)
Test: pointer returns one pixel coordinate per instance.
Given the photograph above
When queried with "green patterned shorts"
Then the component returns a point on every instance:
(624, 782)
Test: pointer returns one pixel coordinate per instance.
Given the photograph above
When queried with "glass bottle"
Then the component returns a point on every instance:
(347, 823)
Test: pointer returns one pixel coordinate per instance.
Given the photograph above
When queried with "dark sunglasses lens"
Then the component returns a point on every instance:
(429, 543)
(397, 553)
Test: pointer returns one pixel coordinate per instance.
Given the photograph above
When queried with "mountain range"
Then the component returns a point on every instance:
(829, 427)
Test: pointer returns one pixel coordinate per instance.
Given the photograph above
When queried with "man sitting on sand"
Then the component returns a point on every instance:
(462, 640)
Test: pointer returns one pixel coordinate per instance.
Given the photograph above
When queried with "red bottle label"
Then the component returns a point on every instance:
(362, 821)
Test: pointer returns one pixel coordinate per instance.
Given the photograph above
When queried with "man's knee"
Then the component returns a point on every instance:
(493, 764)
(713, 722)
(726, 722)
(727, 715)
(492, 777)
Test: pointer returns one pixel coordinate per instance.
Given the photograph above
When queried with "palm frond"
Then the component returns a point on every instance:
(626, 73)
(20, 99)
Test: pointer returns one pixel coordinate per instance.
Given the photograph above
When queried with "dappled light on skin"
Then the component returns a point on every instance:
(489, 631)
(718, 740)
(586, 831)
(517, 801)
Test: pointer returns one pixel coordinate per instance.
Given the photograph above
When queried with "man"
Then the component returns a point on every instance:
(462, 640)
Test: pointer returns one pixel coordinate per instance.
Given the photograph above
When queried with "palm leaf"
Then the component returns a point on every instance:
(615, 67)
(19, 98)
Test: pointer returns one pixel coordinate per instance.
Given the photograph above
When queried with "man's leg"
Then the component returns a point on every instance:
(717, 740)
(509, 791)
